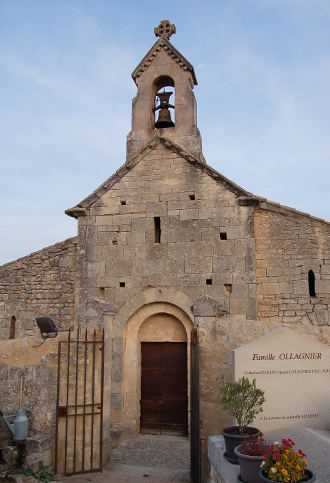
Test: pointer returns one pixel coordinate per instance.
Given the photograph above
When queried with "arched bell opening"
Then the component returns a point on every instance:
(164, 102)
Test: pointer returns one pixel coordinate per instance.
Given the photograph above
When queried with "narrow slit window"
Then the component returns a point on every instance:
(223, 235)
(12, 327)
(311, 283)
(157, 229)
(101, 292)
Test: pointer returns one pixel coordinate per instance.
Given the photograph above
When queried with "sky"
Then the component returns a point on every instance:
(263, 97)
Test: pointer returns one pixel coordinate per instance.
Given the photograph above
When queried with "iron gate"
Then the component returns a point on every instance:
(79, 404)
(194, 418)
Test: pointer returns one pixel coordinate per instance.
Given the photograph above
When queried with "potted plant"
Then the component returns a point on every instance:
(283, 463)
(250, 456)
(243, 400)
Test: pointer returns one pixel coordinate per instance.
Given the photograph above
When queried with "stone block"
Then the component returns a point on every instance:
(182, 235)
(222, 278)
(210, 234)
(115, 268)
(198, 264)
(189, 214)
(136, 237)
(32, 460)
(244, 277)
(220, 469)
(22, 479)
(105, 220)
(224, 247)
(190, 280)
(240, 291)
(116, 400)
(117, 345)
(38, 443)
(239, 306)
(271, 288)
(206, 306)
(9, 455)
(116, 372)
(300, 287)
(122, 219)
(223, 264)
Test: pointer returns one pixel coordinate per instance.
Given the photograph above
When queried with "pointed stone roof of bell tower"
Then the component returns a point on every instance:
(164, 32)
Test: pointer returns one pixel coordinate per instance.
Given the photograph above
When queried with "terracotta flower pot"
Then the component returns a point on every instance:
(250, 466)
(233, 439)
(308, 478)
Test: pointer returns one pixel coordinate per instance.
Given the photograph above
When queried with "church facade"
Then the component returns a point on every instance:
(164, 246)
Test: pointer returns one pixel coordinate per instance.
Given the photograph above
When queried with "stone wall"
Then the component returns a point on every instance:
(118, 256)
(36, 363)
(40, 284)
(288, 246)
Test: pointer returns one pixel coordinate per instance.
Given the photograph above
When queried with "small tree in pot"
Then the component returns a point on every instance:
(243, 400)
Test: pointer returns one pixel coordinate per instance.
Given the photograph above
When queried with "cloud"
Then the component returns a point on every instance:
(263, 101)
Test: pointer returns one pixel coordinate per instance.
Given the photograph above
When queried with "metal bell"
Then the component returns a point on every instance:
(164, 119)
(164, 116)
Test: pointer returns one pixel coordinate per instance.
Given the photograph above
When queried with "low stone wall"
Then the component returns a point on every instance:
(220, 470)
(36, 363)
(40, 284)
(316, 444)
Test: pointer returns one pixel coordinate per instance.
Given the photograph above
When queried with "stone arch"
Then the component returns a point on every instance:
(170, 312)
(166, 83)
(149, 296)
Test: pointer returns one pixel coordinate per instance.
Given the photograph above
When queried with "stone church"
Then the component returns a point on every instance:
(168, 251)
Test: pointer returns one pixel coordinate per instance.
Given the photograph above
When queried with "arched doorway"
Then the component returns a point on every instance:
(164, 376)
(156, 333)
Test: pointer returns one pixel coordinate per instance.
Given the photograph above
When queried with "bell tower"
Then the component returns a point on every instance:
(165, 104)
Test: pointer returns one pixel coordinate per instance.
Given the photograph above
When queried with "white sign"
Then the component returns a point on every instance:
(294, 371)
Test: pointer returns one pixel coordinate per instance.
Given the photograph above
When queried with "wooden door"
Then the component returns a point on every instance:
(164, 401)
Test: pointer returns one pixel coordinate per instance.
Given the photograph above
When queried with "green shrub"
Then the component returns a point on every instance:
(243, 400)
(41, 474)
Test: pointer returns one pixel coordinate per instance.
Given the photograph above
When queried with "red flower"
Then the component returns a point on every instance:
(276, 456)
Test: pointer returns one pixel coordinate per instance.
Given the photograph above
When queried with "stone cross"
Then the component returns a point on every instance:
(165, 29)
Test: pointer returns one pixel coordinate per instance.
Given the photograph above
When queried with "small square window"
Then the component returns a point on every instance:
(122, 284)
(192, 197)
(209, 281)
(223, 235)
(228, 288)
(123, 202)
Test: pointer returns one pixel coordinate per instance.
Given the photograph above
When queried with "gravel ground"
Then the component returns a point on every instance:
(154, 450)
(148, 459)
